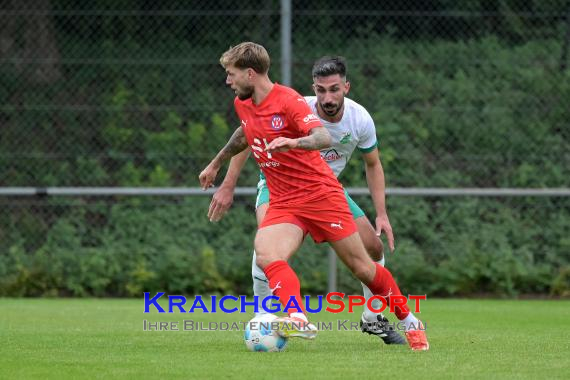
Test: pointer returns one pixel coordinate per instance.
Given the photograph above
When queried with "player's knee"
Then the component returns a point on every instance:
(256, 270)
(375, 249)
(262, 259)
(260, 262)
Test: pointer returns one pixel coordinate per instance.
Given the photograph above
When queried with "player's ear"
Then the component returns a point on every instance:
(250, 73)
(346, 87)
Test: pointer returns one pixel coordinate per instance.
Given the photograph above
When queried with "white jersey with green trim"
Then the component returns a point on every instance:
(355, 130)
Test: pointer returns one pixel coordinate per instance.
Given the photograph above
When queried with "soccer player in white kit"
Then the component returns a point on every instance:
(351, 127)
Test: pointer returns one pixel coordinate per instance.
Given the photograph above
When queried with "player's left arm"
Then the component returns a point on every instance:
(377, 187)
(319, 138)
(301, 118)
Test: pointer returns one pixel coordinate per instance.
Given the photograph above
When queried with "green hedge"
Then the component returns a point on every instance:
(444, 247)
(479, 112)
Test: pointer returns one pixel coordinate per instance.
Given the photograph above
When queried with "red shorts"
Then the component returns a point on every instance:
(326, 219)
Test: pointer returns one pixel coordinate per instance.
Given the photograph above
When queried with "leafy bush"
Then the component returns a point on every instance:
(450, 112)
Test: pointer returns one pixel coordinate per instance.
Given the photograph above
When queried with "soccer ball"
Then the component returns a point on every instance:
(259, 336)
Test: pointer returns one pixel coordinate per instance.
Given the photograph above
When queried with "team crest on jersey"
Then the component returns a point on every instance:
(346, 137)
(277, 122)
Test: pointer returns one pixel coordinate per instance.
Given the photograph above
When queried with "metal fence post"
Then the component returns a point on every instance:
(566, 42)
(286, 42)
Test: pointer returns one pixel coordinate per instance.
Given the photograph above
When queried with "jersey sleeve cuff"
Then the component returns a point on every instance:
(369, 149)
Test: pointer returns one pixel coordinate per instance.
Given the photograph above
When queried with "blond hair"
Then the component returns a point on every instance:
(247, 55)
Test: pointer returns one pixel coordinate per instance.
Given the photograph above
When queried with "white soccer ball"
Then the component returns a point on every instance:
(260, 337)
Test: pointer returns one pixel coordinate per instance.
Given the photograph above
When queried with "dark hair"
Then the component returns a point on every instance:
(329, 65)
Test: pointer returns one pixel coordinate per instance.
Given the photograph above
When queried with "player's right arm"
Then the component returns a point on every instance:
(224, 197)
(236, 144)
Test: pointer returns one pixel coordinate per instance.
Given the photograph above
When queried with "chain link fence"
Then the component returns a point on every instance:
(130, 93)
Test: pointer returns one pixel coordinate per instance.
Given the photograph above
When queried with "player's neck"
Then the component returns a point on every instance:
(331, 119)
(261, 91)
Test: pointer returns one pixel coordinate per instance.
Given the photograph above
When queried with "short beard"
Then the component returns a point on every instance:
(334, 112)
(246, 94)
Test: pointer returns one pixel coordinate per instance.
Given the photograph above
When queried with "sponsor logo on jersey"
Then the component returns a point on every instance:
(277, 122)
(310, 118)
(330, 155)
(346, 137)
(269, 164)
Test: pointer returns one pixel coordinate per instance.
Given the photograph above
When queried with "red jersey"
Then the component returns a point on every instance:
(295, 176)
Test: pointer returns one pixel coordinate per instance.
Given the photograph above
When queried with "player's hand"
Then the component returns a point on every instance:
(383, 224)
(221, 202)
(208, 176)
(281, 144)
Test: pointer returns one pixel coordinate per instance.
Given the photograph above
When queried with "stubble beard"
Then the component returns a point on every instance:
(331, 112)
(246, 93)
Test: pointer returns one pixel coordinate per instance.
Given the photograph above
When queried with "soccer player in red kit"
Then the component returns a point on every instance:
(306, 198)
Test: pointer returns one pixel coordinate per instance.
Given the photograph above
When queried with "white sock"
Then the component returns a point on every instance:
(260, 285)
(369, 315)
(411, 322)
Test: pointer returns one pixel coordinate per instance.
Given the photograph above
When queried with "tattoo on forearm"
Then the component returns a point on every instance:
(318, 139)
(236, 144)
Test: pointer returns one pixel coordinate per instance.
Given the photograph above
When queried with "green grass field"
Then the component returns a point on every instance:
(103, 338)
